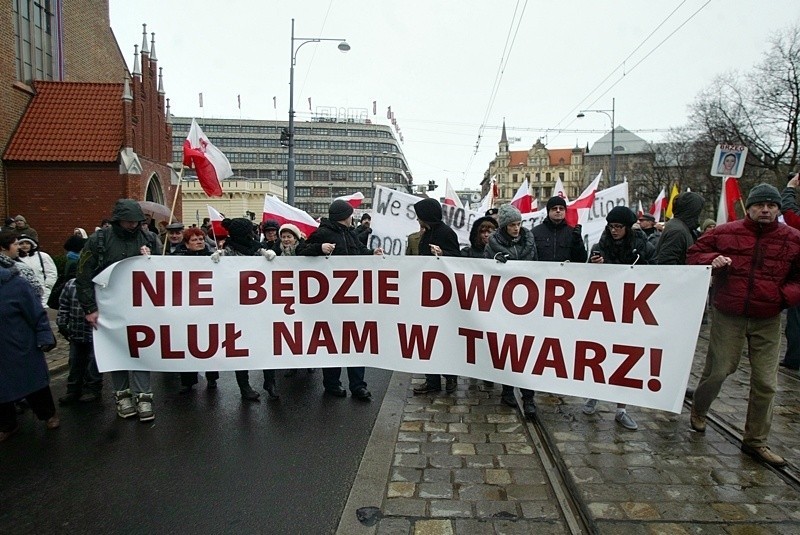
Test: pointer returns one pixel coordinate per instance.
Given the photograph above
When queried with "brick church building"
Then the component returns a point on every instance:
(79, 130)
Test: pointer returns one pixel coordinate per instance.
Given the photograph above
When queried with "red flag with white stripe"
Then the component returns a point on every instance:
(729, 195)
(278, 210)
(210, 164)
(522, 199)
(659, 205)
(217, 230)
(353, 200)
(578, 210)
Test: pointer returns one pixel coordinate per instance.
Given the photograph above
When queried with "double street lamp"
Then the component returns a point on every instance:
(613, 146)
(290, 174)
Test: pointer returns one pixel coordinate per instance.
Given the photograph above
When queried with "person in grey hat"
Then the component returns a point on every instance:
(174, 244)
(512, 241)
(756, 267)
(22, 227)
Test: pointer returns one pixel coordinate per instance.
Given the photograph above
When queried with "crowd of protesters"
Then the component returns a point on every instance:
(755, 267)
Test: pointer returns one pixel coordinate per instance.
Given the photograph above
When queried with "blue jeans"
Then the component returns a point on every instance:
(792, 357)
(83, 373)
(141, 381)
(355, 376)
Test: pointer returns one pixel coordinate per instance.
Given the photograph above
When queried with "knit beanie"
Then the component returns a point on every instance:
(556, 201)
(238, 227)
(508, 214)
(26, 238)
(763, 193)
(707, 223)
(428, 210)
(339, 210)
(622, 215)
(270, 224)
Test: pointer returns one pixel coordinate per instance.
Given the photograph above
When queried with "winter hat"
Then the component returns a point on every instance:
(647, 217)
(707, 223)
(622, 215)
(291, 228)
(556, 201)
(26, 238)
(339, 210)
(270, 224)
(428, 210)
(508, 214)
(21, 218)
(74, 244)
(763, 193)
(238, 227)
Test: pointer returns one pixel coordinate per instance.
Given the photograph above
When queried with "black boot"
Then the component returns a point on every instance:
(269, 385)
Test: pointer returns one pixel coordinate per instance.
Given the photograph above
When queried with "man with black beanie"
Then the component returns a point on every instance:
(555, 240)
(336, 236)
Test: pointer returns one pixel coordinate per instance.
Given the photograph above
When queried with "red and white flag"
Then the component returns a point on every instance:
(278, 210)
(729, 195)
(522, 199)
(210, 164)
(578, 210)
(450, 197)
(353, 200)
(488, 201)
(559, 191)
(216, 218)
(640, 210)
(659, 205)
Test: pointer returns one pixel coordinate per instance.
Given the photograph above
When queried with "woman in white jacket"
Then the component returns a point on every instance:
(41, 263)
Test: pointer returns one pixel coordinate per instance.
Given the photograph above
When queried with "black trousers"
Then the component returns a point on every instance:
(41, 403)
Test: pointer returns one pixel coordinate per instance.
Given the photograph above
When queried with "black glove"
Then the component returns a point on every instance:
(578, 231)
(48, 347)
(502, 257)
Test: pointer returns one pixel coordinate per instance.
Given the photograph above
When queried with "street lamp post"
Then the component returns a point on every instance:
(344, 47)
(613, 146)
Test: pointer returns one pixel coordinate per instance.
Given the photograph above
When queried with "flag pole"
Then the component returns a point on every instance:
(174, 200)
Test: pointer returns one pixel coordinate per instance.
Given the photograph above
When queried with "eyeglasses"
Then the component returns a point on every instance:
(615, 226)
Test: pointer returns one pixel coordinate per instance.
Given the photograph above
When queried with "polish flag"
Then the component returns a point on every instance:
(353, 200)
(210, 164)
(659, 205)
(559, 191)
(727, 200)
(522, 199)
(578, 210)
(278, 210)
(450, 197)
(640, 210)
(217, 231)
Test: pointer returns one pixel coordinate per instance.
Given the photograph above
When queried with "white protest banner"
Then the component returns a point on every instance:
(618, 333)
(393, 218)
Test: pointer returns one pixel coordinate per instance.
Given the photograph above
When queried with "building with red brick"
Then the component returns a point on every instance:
(78, 130)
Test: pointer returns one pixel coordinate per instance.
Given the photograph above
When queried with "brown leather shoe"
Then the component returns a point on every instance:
(763, 454)
(697, 422)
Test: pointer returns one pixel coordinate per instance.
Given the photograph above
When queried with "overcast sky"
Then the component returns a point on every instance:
(436, 63)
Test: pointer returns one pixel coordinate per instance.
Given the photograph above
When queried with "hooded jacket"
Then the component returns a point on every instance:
(764, 276)
(476, 249)
(25, 327)
(106, 246)
(633, 248)
(680, 232)
(332, 232)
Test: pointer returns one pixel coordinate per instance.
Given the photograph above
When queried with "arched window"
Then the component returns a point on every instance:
(154, 192)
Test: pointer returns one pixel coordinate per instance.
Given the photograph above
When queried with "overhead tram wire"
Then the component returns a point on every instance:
(510, 40)
(571, 113)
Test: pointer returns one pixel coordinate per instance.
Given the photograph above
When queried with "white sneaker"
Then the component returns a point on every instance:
(144, 404)
(125, 405)
(624, 419)
(590, 406)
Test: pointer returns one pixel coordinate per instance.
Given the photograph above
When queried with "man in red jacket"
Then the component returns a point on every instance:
(756, 269)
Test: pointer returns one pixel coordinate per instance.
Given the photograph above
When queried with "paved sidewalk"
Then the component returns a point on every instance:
(464, 463)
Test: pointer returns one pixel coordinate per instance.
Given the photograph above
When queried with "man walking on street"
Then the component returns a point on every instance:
(756, 269)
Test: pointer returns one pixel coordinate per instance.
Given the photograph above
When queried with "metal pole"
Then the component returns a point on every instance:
(290, 162)
(613, 146)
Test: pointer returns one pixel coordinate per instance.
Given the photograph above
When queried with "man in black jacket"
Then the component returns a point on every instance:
(437, 240)
(555, 240)
(336, 236)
